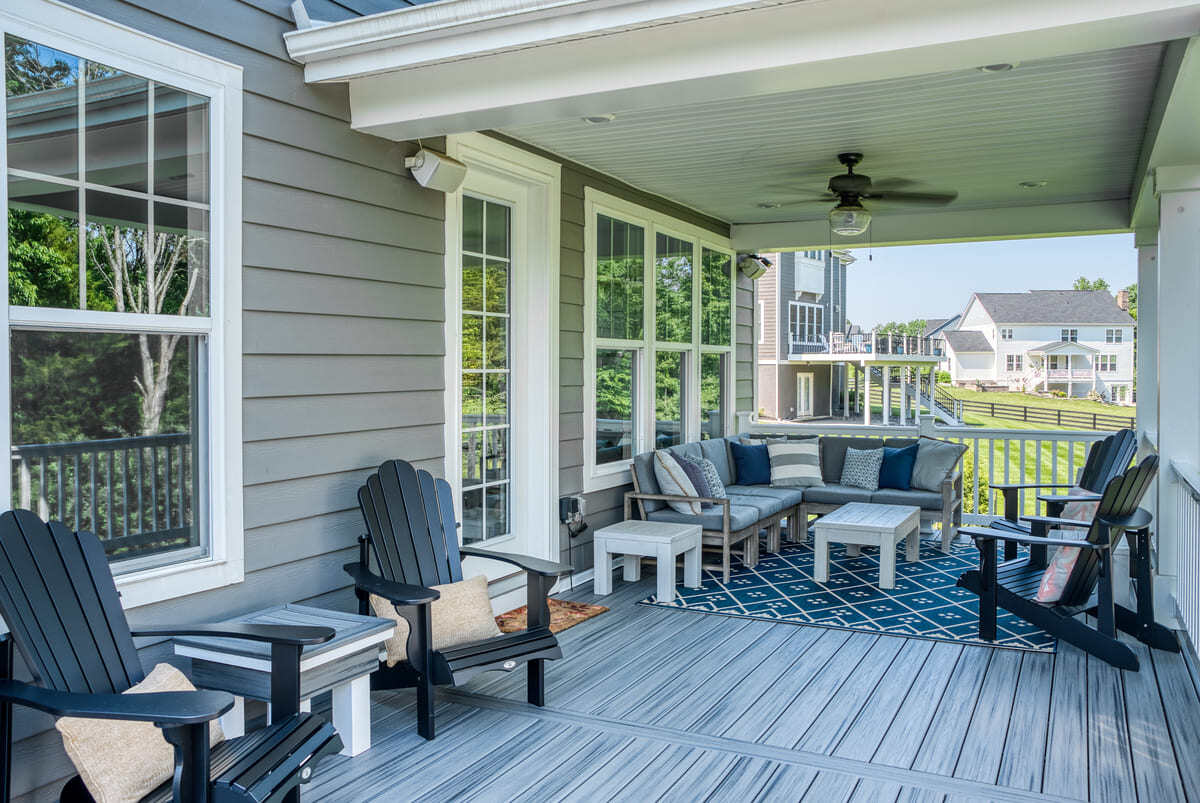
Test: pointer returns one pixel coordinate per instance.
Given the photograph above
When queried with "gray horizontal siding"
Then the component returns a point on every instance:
(342, 325)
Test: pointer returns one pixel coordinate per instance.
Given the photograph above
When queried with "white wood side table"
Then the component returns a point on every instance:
(662, 541)
(342, 665)
(860, 524)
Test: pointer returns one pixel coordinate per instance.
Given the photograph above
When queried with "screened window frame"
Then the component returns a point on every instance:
(813, 319)
(599, 476)
(95, 39)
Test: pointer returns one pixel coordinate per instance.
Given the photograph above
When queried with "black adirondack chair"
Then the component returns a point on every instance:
(1106, 459)
(1013, 585)
(59, 600)
(413, 535)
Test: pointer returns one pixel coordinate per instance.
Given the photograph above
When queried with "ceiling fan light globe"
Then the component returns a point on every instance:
(849, 220)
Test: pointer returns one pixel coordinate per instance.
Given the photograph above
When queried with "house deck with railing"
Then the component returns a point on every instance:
(655, 704)
(870, 347)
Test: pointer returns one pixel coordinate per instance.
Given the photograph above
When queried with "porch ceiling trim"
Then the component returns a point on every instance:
(471, 65)
(1063, 346)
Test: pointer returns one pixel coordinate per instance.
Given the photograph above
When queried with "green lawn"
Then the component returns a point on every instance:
(1029, 400)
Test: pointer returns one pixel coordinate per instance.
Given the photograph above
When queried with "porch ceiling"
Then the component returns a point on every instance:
(1075, 121)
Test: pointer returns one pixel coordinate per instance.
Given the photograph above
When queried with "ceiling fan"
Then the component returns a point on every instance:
(850, 189)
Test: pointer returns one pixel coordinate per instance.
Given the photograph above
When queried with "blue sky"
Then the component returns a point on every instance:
(936, 281)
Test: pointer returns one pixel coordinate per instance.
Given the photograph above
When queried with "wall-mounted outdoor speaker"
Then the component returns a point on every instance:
(436, 170)
(753, 266)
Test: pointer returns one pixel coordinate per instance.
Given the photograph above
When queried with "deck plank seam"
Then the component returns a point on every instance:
(816, 761)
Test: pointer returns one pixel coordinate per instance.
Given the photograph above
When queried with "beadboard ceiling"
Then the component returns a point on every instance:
(1076, 122)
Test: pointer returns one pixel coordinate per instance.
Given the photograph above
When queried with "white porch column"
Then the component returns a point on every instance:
(866, 394)
(846, 390)
(1178, 334)
(903, 395)
(887, 394)
(1147, 334)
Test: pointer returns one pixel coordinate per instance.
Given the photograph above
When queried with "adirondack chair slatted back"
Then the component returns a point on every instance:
(1121, 498)
(411, 526)
(1107, 459)
(58, 597)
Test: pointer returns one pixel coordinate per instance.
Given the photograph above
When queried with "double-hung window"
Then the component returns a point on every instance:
(1006, 333)
(1106, 363)
(1112, 335)
(1012, 362)
(658, 335)
(120, 354)
(1069, 335)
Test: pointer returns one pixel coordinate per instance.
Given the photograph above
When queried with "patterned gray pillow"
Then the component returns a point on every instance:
(861, 469)
(716, 488)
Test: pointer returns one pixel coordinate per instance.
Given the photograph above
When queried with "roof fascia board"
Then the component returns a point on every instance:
(943, 226)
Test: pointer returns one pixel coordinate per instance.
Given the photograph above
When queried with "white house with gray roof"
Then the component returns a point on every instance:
(1075, 341)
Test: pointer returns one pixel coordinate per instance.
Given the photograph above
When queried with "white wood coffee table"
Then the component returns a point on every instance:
(652, 539)
(860, 524)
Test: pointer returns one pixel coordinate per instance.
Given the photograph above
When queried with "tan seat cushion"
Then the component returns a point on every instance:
(463, 613)
(120, 761)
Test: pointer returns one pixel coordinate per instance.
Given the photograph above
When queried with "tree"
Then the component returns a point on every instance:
(913, 328)
(1083, 283)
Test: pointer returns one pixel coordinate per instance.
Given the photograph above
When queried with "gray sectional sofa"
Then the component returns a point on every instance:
(734, 524)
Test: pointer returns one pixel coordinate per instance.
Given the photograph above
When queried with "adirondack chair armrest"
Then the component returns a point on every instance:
(985, 534)
(1051, 499)
(168, 709)
(1054, 521)
(1138, 520)
(395, 593)
(1020, 486)
(545, 568)
(289, 635)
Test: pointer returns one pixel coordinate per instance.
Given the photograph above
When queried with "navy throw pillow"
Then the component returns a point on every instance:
(696, 474)
(753, 463)
(896, 471)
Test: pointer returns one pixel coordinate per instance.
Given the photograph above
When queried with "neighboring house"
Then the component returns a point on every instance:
(1074, 341)
(937, 328)
(800, 301)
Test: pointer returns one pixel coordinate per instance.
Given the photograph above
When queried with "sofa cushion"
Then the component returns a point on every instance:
(833, 493)
(767, 506)
(926, 500)
(647, 483)
(896, 471)
(796, 464)
(833, 454)
(860, 468)
(717, 450)
(674, 481)
(752, 462)
(789, 497)
(936, 460)
(740, 517)
(689, 450)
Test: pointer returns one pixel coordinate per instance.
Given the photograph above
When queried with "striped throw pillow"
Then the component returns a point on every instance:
(796, 464)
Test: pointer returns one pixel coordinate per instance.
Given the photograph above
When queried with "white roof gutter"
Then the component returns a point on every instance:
(452, 30)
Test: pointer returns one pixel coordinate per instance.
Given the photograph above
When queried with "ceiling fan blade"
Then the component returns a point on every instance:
(806, 202)
(938, 198)
(892, 183)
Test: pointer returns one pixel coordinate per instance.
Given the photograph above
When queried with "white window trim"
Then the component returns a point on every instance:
(793, 305)
(611, 475)
(92, 37)
(1006, 333)
(534, 382)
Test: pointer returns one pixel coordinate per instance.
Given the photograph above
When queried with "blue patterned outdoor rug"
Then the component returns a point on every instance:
(925, 603)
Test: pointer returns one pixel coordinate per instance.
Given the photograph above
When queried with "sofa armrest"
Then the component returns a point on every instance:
(631, 496)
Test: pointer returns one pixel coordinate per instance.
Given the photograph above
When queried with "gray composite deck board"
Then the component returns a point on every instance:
(653, 704)
(1025, 746)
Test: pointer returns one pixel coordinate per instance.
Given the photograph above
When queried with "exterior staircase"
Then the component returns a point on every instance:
(945, 407)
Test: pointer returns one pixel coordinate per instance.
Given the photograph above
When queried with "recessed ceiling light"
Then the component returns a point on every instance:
(1002, 66)
(599, 118)
(1033, 184)
(767, 205)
